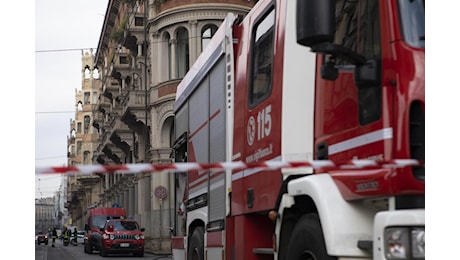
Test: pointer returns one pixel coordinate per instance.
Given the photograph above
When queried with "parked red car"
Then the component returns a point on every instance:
(121, 236)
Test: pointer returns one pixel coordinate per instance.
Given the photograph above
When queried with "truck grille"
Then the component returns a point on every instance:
(124, 237)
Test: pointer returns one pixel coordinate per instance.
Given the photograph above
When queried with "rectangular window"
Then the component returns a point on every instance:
(79, 147)
(87, 98)
(358, 27)
(94, 97)
(262, 59)
(138, 21)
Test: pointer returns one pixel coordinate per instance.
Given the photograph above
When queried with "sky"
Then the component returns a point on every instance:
(63, 28)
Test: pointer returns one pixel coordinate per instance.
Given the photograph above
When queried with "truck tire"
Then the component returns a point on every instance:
(196, 248)
(88, 247)
(307, 240)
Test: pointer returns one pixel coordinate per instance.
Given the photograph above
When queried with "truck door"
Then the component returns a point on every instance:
(349, 119)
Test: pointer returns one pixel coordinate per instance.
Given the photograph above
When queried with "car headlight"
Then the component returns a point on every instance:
(137, 237)
(112, 237)
(404, 243)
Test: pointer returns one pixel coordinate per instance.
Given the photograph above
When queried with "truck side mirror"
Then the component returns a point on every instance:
(315, 22)
(86, 227)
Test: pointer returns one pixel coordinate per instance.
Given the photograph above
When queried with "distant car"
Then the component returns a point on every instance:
(41, 237)
(81, 237)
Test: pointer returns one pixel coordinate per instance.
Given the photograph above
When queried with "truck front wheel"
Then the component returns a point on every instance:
(196, 248)
(307, 240)
(88, 247)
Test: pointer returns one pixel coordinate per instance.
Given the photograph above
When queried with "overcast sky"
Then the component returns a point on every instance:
(62, 29)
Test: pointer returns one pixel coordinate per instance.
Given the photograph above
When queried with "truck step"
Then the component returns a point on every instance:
(263, 251)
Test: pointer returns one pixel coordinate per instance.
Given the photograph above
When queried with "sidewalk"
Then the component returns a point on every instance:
(160, 255)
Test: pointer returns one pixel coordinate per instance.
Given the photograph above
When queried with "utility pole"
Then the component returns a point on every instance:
(146, 136)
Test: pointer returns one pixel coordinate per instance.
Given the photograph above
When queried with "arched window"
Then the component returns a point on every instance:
(79, 106)
(182, 52)
(96, 73)
(206, 34)
(87, 73)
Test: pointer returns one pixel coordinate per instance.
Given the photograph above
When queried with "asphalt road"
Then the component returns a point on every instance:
(60, 252)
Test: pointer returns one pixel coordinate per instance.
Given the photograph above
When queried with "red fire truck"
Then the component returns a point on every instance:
(334, 80)
(95, 220)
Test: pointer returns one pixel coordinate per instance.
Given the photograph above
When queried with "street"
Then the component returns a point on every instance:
(46, 252)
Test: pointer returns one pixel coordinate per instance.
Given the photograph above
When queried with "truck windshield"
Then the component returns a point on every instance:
(99, 221)
(412, 16)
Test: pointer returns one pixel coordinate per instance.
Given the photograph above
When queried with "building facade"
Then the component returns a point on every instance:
(44, 214)
(124, 112)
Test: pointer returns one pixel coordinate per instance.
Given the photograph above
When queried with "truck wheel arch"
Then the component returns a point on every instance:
(338, 217)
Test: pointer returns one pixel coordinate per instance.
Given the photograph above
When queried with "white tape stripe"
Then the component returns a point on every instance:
(401, 163)
(89, 169)
(246, 169)
(379, 135)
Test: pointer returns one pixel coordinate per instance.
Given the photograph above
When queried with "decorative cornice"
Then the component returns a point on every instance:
(194, 12)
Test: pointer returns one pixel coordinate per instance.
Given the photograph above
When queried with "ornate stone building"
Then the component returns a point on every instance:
(144, 50)
(83, 190)
(45, 214)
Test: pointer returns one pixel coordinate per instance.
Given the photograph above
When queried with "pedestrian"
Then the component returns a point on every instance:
(54, 236)
(67, 232)
(75, 235)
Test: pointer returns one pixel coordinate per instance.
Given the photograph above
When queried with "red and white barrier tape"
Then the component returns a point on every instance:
(238, 165)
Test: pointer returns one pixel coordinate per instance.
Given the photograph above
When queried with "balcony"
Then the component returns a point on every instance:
(113, 153)
(134, 110)
(122, 137)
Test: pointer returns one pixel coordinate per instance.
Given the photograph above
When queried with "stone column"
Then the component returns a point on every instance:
(174, 72)
(193, 42)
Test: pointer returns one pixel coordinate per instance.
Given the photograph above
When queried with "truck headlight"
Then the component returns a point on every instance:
(404, 243)
(418, 242)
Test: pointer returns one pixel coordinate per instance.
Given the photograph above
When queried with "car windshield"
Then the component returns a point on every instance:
(412, 16)
(123, 225)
